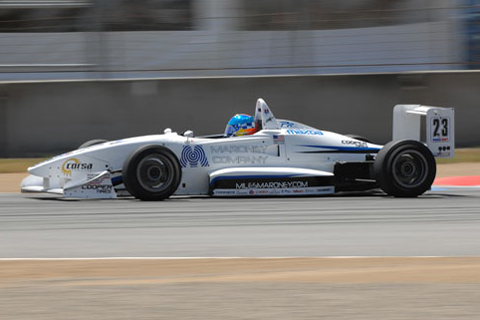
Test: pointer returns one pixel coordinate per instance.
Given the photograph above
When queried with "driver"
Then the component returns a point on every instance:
(240, 125)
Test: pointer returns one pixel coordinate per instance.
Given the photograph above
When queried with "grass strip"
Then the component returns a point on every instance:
(18, 165)
(462, 155)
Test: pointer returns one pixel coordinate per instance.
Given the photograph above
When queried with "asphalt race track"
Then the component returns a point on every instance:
(441, 223)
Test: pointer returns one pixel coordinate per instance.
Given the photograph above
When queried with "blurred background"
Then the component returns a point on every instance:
(93, 63)
(77, 39)
(76, 70)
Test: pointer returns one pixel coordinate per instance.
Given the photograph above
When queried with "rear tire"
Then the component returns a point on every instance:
(151, 173)
(405, 168)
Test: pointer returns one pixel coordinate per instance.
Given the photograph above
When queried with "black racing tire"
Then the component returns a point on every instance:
(404, 168)
(358, 137)
(90, 143)
(151, 173)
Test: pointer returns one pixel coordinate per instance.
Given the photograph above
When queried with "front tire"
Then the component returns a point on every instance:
(151, 173)
(405, 168)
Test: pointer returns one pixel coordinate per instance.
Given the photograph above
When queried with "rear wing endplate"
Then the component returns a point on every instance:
(439, 127)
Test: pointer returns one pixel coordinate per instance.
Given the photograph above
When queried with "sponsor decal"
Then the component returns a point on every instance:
(358, 144)
(440, 129)
(193, 156)
(278, 139)
(269, 119)
(305, 132)
(224, 192)
(99, 186)
(276, 186)
(272, 185)
(90, 176)
(239, 159)
(254, 182)
(74, 165)
(440, 139)
(287, 124)
(238, 149)
(274, 192)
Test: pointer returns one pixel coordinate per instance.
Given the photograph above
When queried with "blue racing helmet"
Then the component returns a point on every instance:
(240, 125)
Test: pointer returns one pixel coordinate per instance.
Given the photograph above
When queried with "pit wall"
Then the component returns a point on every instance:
(45, 118)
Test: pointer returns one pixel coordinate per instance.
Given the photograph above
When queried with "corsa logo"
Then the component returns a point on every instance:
(73, 164)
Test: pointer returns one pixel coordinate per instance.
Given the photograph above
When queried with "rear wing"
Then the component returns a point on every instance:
(438, 131)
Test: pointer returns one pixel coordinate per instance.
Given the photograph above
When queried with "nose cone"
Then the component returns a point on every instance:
(43, 169)
(32, 184)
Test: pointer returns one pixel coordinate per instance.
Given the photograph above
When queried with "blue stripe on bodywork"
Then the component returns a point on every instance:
(117, 180)
(339, 149)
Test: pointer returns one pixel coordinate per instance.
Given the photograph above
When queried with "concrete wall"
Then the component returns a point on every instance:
(47, 118)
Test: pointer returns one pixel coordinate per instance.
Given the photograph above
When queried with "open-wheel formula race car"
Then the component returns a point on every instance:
(282, 158)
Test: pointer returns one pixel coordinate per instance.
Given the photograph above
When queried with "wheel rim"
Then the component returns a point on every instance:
(154, 173)
(410, 169)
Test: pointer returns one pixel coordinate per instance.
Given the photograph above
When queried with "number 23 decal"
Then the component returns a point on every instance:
(440, 128)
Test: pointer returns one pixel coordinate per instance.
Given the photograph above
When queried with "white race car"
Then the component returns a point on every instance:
(283, 158)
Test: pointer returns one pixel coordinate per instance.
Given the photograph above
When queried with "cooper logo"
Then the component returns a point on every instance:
(73, 164)
(100, 188)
